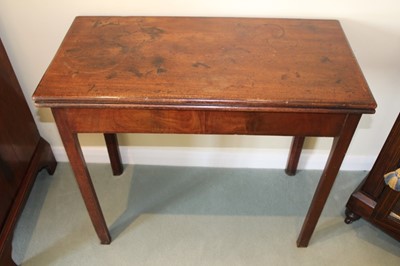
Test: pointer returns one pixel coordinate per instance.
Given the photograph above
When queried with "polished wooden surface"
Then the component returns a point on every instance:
(18, 140)
(22, 154)
(128, 120)
(205, 76)
(214, 63)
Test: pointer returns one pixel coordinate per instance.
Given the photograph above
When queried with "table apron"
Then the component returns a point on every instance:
(126, 120)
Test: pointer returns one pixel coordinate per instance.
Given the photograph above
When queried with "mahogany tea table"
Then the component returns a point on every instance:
(249, 76)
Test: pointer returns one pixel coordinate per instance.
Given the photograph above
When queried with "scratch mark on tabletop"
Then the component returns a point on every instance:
(100, 23)
(75, 73)
(161, 70)
(112, 75)
(92, 88)
(200, 64)
(158, 62)
(135, 71)
(153, 32)
(325, 59)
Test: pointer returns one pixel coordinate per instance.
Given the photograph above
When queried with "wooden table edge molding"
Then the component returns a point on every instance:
(182, 75)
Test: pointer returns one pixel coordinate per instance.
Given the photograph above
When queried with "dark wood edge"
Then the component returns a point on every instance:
(42, 158)
(361, 204)
(242, 108)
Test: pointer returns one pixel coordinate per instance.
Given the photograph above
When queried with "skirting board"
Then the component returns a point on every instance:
(217, 157)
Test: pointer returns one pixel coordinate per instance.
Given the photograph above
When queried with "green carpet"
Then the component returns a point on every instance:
(161, 215)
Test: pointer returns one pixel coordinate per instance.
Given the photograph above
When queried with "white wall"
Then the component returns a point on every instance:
(32, 31)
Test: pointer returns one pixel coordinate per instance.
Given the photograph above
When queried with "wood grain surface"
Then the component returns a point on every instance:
(178, 62)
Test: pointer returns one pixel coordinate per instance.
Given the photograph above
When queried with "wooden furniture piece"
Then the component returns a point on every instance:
(22, 154)
(205, 76)
(373, 200)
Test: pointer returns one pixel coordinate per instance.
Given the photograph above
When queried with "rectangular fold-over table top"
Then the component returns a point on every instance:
(206, 63)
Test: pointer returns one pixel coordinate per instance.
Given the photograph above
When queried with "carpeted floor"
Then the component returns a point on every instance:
(161, 215)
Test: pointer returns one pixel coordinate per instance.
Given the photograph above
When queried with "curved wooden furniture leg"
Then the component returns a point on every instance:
(336, 156)
(78, 164)
(294, 155)
(113, 153)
